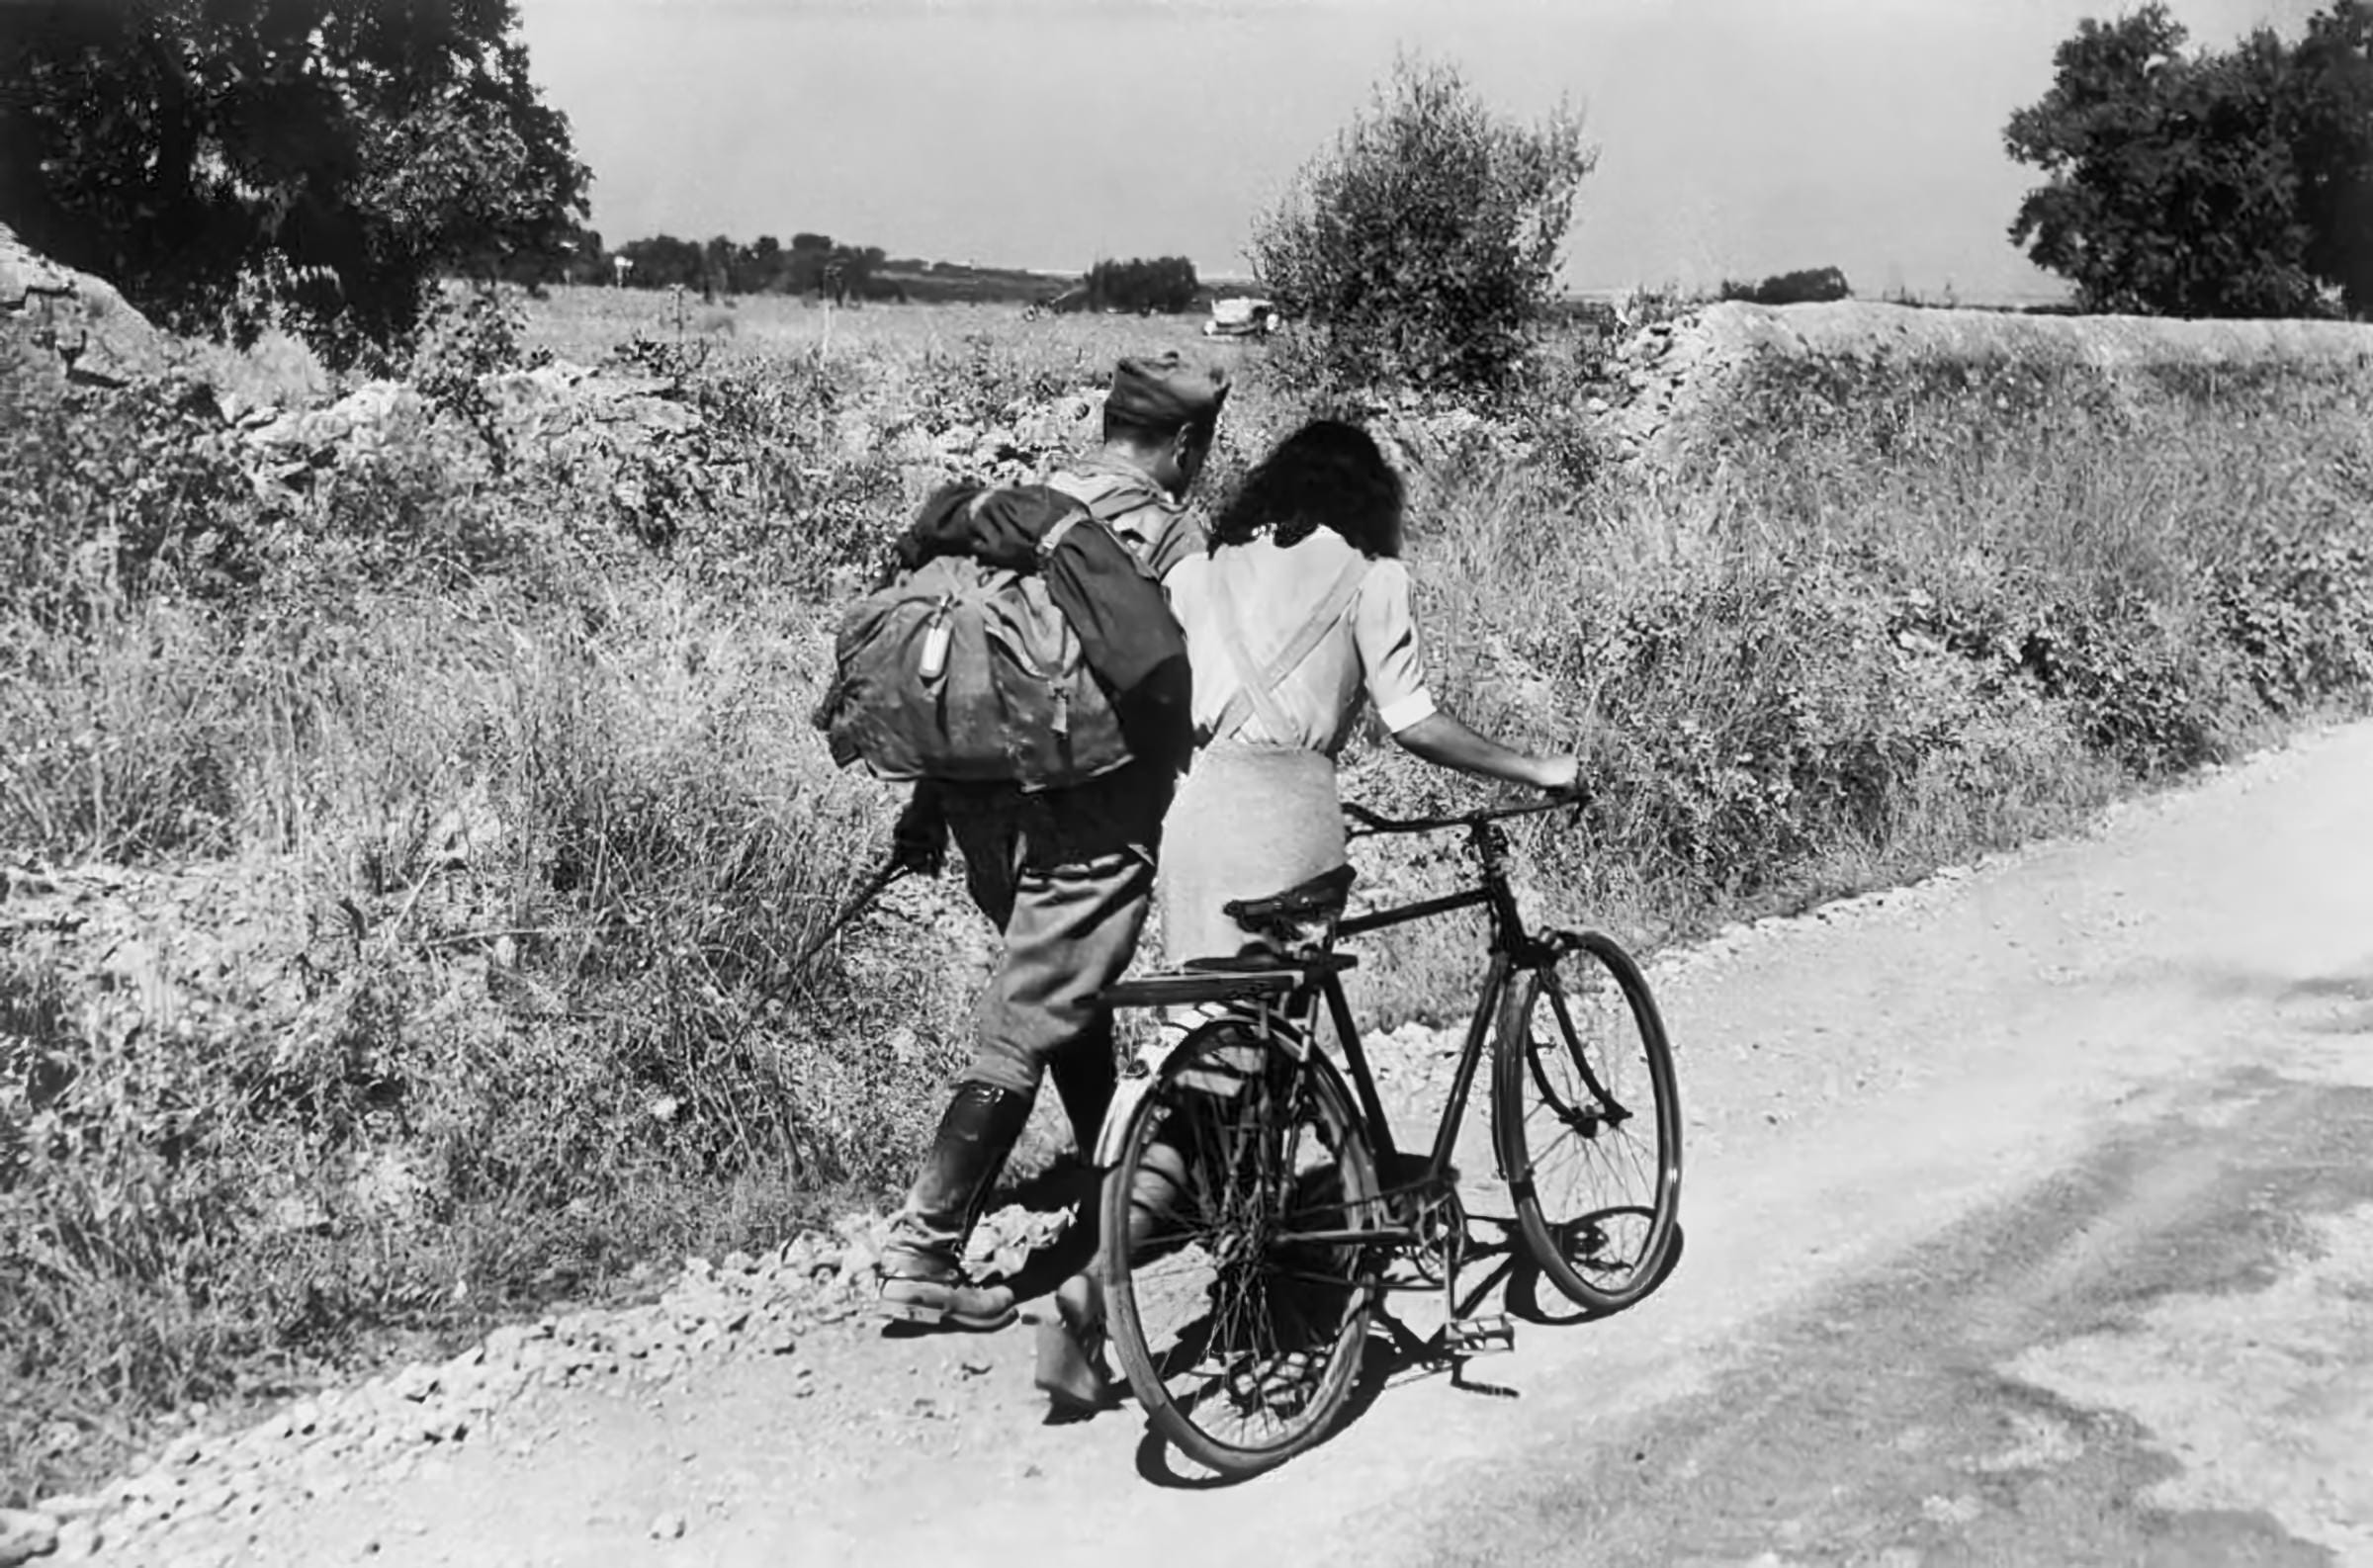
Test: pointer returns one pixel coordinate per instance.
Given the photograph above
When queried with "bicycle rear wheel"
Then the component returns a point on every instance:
(1239, 1286)
(1588, 1121)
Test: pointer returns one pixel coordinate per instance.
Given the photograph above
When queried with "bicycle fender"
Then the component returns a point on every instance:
(1130, 1091)
(1109, 1136)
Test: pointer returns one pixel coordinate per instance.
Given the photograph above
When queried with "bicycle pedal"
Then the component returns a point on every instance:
(1479, 1336)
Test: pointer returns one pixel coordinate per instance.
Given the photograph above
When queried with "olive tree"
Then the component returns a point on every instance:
(1424, 245)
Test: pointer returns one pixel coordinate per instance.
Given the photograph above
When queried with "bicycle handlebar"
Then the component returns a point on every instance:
(1373, 822)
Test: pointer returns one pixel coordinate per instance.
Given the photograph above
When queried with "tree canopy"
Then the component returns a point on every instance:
(231, 163)
(2221, 183)
(1425, 243)
(1163, 283)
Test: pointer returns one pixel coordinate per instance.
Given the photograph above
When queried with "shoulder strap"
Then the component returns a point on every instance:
(1256, 686)
(1121, 499)
(1111, 493)
(1061, 526)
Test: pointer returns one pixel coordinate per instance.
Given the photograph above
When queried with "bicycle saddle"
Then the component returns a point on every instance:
(1323, 894)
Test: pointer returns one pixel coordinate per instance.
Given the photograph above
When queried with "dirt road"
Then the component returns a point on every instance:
(2029, 1219)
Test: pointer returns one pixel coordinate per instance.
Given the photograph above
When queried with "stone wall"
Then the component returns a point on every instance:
(1666, 372)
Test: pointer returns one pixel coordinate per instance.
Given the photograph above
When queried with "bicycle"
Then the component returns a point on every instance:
(1254, 1205)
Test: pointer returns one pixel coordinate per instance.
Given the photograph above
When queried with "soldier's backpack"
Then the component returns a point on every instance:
(968, 672)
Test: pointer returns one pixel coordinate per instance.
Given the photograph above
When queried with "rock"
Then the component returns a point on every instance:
(98, 338)
(79, 1540)
(667, 1527)
(25, 1534)
(415, 1383)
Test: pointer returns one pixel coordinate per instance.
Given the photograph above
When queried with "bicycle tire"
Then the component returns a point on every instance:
(1241, 1342)
(1597, 1184)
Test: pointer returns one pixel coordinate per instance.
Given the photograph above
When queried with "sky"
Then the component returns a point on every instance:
(1735, 139)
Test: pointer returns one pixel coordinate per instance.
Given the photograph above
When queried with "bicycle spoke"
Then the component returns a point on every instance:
(1249, 1301)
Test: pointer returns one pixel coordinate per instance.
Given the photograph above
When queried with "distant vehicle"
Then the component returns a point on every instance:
(1243, 316)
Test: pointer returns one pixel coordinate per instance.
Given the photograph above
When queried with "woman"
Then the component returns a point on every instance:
(1298, 611)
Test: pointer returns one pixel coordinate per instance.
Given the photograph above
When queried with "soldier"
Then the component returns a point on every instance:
(1065, 875)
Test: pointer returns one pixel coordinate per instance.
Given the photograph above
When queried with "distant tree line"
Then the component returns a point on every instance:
(2236, 183)
(812, 264)
(819, 266)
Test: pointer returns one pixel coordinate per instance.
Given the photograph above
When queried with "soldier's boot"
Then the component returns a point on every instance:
(922, 1267)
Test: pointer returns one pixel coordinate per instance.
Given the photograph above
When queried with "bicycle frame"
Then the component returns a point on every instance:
(1297, 989)
(1510, 947)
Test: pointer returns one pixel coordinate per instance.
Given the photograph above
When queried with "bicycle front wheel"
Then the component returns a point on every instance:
(1588, 1121)
(1239, 1278)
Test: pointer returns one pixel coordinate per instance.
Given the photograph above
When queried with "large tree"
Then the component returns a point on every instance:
(2222, 183)
(2331, 130)
(228, 163)
(1425, 243)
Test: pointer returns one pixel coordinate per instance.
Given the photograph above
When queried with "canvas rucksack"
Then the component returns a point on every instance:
(970, 673)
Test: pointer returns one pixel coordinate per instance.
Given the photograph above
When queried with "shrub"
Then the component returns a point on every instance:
(1166, 284)
(126, 493)
(1424, 246)
(1813, 286)
(466, 844)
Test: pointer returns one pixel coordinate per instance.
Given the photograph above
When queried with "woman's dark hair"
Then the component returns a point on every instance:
(1327, 474)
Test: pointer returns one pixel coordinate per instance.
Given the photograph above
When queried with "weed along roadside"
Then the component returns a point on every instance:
(407, 819)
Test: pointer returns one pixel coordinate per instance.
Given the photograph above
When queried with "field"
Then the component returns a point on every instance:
(401, 870)
(583, 324)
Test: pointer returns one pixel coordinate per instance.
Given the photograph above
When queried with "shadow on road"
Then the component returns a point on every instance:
(1397, 1353)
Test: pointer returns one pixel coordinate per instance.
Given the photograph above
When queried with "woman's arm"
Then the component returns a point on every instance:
(1445, 741)
(1389, 658)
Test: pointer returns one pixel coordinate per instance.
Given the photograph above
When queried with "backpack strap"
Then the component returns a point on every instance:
(1061, 526)
(1256, 686)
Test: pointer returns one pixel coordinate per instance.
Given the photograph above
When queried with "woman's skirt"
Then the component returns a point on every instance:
(1248, 821)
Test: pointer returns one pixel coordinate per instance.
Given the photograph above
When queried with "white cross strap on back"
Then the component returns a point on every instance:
(1257, 689)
